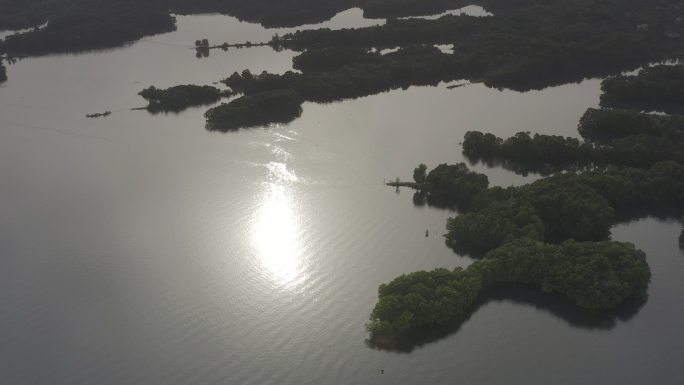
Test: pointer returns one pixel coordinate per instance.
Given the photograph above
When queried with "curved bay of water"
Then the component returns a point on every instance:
(143, 249)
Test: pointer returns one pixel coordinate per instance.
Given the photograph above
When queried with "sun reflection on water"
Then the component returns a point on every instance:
(276, 237)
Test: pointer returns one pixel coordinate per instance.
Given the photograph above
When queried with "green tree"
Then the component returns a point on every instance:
(420, 173)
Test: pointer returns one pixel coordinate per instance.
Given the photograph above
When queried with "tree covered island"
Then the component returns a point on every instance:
(552, 234)
(278, 106)
(593, 275)
(178, 98)
(658, 88)
(525, 45)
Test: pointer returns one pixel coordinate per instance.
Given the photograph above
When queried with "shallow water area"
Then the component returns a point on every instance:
(144, 249)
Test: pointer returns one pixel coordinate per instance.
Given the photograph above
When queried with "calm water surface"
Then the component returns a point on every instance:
(141, 249)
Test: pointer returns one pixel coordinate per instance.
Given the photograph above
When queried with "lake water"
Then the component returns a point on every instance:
(143, 249)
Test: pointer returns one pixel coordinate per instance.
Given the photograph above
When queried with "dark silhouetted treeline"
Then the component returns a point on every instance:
(331, 81)
(372, 73)
(278, 106)
(178, 98)
(658, 88)
(529, 45)
(611, 137)
(77, 25)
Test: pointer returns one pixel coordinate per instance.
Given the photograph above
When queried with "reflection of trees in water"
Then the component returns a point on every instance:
(524, 168)
(554, 305)
(439, 201)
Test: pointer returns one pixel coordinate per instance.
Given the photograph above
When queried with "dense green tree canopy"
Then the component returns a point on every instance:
(658, 88)
(612, 137)
(603, 125)
(527, 44)
(179, 98)
(279, 106)
(593, 275)
(456, 182)
(420, 174)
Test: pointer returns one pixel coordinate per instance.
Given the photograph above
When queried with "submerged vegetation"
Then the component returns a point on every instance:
(658, 88)
(593, 275)
(178, 98)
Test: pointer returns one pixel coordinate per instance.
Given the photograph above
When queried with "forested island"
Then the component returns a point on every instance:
(178, 98)
(525, 45)
(279, 106)
(593, 275)
(551, 234)
(658, 88)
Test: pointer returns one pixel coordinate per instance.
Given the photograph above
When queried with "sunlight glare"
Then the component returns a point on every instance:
(276, 237)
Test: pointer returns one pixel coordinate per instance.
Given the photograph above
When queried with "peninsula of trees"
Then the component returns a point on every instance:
(3, 73)
(593, 275)
(615, 137)
(178, 98)
(658, 88)
(551, 234)
(611, 137)
(278, 106)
